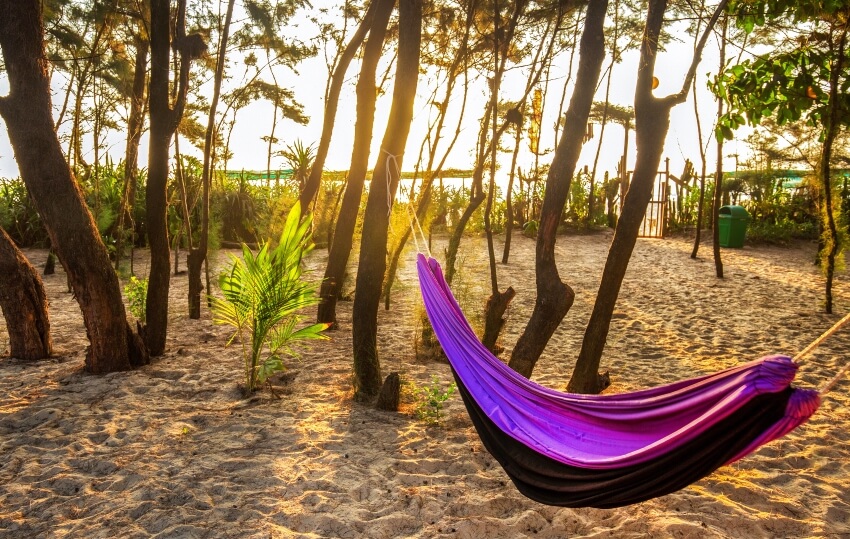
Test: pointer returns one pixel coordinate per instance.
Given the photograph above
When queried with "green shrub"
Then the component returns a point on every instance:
(263, 295)
(136, 291)
(779, 233)
(18, 216)
(430, 399)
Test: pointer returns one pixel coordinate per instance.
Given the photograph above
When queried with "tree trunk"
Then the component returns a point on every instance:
(718, 174)
(477, 194)
(614, 58)
(390, 395)
(347, 219)
(701, 202)
(554, 297)
(373, 251)
(28, 115)
(135, 125)
(425, 199)
(163, 123)
(494, 321)
(509, 206)
(311, 186)
(652, 121)
(24, 303)
(198, 255)
(833, 240)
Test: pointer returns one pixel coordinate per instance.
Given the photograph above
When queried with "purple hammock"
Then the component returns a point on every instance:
(611, 450)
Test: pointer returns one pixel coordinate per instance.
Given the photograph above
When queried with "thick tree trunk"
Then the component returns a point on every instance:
(652, 126)
(24, 303)
(390, 395)
(311, 186)
(163, 123)
(373, 250)
(28, 115)
(425, 199)
(554, 298)
(347, 219)
(652, 121)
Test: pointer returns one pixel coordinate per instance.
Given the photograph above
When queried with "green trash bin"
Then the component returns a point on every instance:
(733, 226)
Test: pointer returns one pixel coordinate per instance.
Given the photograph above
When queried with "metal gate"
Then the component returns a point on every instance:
(655, 220)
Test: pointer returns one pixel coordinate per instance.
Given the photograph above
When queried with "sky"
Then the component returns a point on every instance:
(308, 85)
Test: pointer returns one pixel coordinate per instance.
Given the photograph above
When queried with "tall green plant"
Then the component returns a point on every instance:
(263, 295)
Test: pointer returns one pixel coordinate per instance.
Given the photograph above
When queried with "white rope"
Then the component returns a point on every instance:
(817, 342)
(391, 158)
(410, 209)
(824, 389)
(412, 231)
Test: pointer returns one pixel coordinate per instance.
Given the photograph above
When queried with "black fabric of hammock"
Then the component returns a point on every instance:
(548, 481)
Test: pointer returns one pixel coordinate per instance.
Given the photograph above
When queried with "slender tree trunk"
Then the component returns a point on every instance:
(164, 119)
(604, 122)
(509, 206)
(198, 255)
(311, 186)
(498, 302)
(554, 297)
(718, 174)
(24, 303)
(652, 121)
(271, 135)
(578, 17)
(347, 219)
(832, 125)
(373, 251)
(477, 194)
(135, 125)
(704, 165)
(27, 113)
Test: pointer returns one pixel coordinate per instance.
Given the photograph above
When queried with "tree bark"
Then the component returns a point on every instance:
(28, 115)
(311, 186)
(163, 123)
(135, 125)
(833, 241)
(24, 304)
(373, 250)
(347, 219)
(509, 207)
(718, 173)
(430, 172)
(390, 395)
(198, 255)
(554, 297)
(652, 121)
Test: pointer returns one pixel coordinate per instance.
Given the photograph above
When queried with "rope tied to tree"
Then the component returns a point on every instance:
(817, 342)
(412, 218)
(391, 161)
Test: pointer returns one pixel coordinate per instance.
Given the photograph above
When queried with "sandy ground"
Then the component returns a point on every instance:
(174, 450)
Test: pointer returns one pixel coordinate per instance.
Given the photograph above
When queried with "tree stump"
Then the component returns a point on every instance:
(389, 396)
(494, 319)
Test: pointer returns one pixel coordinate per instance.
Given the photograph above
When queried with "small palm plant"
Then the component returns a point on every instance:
(262, 296)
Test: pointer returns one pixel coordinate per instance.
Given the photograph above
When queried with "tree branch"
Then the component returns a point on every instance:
(682, 95)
